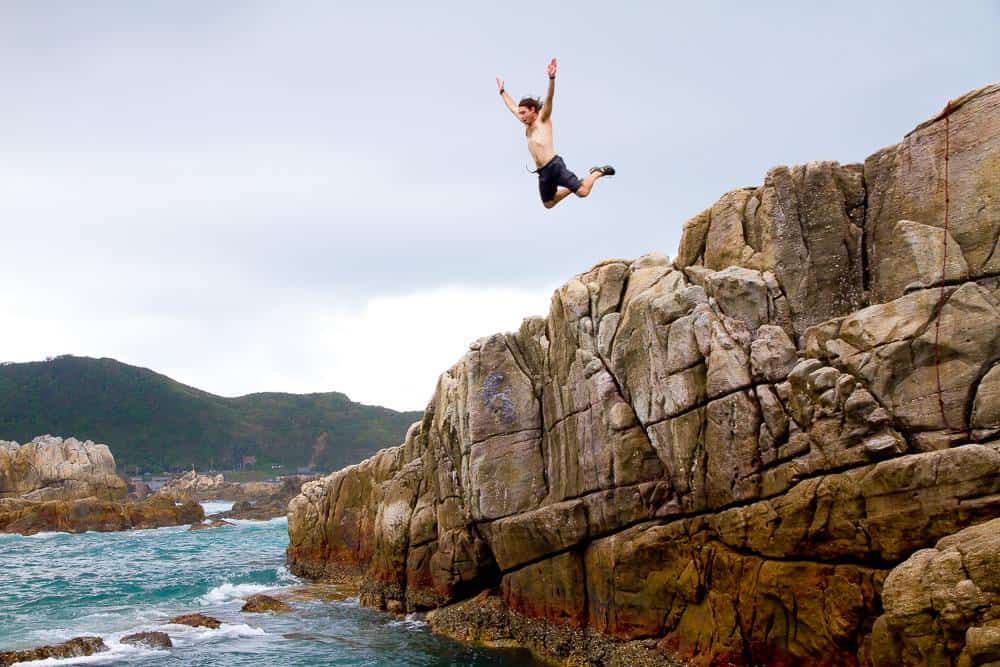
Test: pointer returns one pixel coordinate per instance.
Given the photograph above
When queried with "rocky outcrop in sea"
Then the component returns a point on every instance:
(56, 484)
(258, 501)
(782, 447)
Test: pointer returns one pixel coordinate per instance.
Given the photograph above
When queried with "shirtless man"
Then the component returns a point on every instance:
(555, 181)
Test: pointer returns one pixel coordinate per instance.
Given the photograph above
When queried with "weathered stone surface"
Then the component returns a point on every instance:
(78, 516)
(53, 468)
(73, 648)
(903, 349)
(906, 182)
(720, 459)
(803, 225)
(942, 605)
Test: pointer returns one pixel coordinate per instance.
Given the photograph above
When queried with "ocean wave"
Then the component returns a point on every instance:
(256, 522)
(228, 592)
(183, 635)
(46, 535)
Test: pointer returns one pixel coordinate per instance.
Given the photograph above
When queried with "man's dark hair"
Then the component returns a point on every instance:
(532, 103)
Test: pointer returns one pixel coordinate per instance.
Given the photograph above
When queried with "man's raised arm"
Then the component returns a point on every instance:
(507, 99)
(547, 107)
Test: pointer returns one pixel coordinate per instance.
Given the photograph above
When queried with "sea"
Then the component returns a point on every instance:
(55, 586)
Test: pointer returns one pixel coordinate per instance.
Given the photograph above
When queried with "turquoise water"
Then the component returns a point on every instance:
(55, 586)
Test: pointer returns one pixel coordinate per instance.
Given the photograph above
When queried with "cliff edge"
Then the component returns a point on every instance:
(738, 457)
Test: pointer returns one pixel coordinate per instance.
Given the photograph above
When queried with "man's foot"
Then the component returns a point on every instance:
(606, 170)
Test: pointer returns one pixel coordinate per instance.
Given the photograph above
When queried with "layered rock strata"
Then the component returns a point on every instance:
(725, 456)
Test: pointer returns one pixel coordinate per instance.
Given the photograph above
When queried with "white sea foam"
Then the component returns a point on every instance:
(409, 622)
(216, 506)
(228, 593)
(284, 576)
(255, 522)
(183, 635)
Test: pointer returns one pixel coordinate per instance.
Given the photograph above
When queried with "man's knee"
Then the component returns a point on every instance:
(549, 204)
(582, 191)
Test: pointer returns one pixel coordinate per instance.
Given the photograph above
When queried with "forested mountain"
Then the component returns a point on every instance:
(156, 423)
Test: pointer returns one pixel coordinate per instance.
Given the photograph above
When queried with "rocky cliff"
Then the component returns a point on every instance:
(53, 468)
(60, 484)
(737, 457)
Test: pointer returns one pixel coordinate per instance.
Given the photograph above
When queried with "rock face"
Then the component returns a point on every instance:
(51, 468)
(56, 484)
(728, 457)
(942, 605)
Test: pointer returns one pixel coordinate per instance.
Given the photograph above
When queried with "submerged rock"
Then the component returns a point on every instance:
(73, 648)
(732, 458)
(263, 603)
(196, 621)
(152, 639)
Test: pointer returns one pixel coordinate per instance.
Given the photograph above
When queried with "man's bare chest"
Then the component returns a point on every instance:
(540, 135)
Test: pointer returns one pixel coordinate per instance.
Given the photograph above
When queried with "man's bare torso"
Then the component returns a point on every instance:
(540, 142)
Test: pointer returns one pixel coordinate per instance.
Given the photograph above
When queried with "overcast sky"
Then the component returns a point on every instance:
(318, 196)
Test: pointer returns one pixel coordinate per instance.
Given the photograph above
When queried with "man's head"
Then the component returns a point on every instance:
(527, 110)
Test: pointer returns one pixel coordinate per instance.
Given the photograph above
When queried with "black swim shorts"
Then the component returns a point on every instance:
(553, 175)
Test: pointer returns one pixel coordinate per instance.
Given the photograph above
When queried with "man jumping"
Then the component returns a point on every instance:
(555, 181)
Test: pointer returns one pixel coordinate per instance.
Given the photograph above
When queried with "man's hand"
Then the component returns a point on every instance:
(500, 84)
(552, 69)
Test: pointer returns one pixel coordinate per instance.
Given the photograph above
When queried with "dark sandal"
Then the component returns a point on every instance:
(607, 170)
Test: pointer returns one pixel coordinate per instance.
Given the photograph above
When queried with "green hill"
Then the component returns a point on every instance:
(156, 423)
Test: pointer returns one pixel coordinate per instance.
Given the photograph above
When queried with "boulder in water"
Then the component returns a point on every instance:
(261, 603)
(151, 639)
(73, 648)
(196, 621)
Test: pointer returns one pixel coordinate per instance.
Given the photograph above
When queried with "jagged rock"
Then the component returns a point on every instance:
(722, 458)
(73, 648)
(942, 605)
(194, 486)
(53, 468)
(258, 604)
(803, 225)
(151, 639)
(196, 621)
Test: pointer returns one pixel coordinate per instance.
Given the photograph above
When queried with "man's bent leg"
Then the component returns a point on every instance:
(561, 194)
(588, 183)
